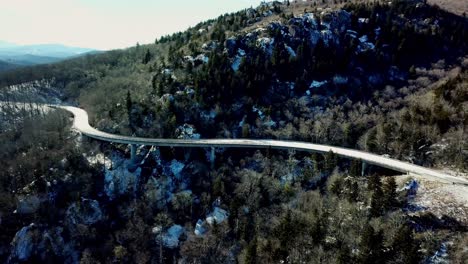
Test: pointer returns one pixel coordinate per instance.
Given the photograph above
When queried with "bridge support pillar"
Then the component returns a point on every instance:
(133, 148)
(363, 168)
(212, 157)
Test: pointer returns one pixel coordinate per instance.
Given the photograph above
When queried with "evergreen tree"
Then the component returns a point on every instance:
(377, 200)
(147, 57)
(389, 193)
(371, 246)
(336, 186)
(129, 102)
(355, 168)
(352, 189)
(331, 161)
(404, 247)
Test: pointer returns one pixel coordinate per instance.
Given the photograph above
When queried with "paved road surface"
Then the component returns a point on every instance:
(81, 123)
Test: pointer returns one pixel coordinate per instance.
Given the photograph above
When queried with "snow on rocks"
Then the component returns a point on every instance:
(201, 58)
(236, 63)
(218, 215)
(364, 44)
(339, 80)
(265, 43)
(209, 45)
(187, 131)
(176, 167)
(291, 52)
(310, 18)
(317, 84)
(270, 123)
(237, 59)
(169, 238)
(208, 115)
(259, 112)
(351, 33)
(119, 180)
(339, 20)
(410, 187)
(200, 228)
(167, 71)
(363, 20)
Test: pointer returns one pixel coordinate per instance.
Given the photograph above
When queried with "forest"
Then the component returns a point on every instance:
(388, 78)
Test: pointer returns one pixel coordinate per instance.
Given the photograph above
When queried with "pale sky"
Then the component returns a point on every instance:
(105, 24)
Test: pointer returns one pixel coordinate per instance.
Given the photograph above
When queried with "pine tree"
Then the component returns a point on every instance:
(355, 168)
(405, 247)
(331, 161)
(371, 246)
(352, 189)
(128, 102)
(377, 202)
(389, 193)
(147, 57)
(337, 186)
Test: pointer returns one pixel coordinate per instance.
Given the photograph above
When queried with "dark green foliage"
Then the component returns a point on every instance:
(371, 246)
(377, 200)
(355, 168)
(331, 161)
(405, 247)
(147, 58)
(389, 193)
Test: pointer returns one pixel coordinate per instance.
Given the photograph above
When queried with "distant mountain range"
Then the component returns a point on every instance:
(14, 56)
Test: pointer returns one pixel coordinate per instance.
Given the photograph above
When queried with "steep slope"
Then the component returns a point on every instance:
(389, 78)
(345, 75)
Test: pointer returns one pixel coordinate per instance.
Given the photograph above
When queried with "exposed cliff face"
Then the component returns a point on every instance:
(23, 243)
(118, 179)
(42, 242)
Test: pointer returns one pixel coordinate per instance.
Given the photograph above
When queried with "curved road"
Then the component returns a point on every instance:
(81, 124)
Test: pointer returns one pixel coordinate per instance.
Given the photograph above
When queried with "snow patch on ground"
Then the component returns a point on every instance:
(438, 198)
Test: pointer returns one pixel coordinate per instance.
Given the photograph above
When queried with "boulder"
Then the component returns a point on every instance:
(170, 238)
(23, 243)
(87, 212)
(187, 131)
(218, 215)
(159, 191)
(29, 204)
(200, 228)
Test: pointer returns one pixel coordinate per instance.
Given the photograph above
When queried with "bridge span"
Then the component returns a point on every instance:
(81, 124)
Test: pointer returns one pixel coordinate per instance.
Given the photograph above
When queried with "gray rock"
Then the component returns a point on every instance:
(86, 212)
(23, 243)
(169, 238)
(218, 215)
(29, 204)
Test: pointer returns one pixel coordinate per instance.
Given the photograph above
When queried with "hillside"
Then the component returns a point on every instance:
(7, 66)
(390, 78)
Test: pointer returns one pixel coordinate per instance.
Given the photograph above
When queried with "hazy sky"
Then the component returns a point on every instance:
(105, 24)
